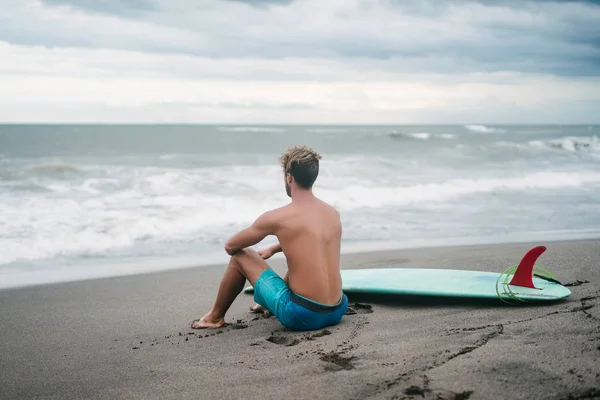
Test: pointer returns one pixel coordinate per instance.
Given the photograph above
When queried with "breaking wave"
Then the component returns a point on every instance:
(572, 144)
(328, 130)
(420, 135)
(52, 170)
(122, 207)
(360, 195)
(483, 129)
(569, 143)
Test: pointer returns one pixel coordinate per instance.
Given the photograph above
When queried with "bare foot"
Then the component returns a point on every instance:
(207, 322)
(257, 308)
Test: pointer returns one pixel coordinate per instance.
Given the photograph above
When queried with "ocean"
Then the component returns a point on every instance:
(85, 201)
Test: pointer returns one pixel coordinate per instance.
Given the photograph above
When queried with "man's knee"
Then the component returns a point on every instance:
(249, 263)
(242, 255)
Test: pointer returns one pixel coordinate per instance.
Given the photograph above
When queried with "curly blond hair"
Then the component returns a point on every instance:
(302, 162)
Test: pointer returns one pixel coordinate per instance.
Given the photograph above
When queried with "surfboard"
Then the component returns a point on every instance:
(525, 282)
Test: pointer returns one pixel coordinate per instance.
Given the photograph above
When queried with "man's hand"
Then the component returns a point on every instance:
(266, 253)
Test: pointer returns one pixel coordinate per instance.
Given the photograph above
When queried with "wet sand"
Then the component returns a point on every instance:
(129, 338)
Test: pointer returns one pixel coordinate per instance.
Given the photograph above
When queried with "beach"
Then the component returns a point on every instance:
(130, 338)
(143, 142)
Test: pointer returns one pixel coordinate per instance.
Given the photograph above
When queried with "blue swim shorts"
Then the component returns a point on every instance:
(295, 312)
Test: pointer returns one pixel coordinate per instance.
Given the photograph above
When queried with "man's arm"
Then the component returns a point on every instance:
(261, 228)
(275, 248)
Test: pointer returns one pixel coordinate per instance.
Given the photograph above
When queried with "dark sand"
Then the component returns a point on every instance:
(129, 338)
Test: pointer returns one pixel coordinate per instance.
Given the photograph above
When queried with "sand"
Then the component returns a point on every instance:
(129, 338)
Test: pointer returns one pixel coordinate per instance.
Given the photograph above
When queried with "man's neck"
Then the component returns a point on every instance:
(302, 194)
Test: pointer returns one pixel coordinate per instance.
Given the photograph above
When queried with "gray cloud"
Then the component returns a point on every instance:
(263, 3)
(111, 7)
(555, 37)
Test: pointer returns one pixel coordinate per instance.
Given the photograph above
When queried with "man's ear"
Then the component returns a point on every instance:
(289, 178)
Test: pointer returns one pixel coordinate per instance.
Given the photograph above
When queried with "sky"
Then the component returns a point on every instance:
(300, 61)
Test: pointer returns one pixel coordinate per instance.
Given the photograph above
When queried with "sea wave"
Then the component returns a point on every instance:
(569, 143)
(166, 157)
(107, 214)
(420, 135)
(52, 170)
(483, 129)
(121, 206)
(361, 195)
(83, 201)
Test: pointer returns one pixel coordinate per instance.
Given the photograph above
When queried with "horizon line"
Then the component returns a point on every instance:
(304, 124)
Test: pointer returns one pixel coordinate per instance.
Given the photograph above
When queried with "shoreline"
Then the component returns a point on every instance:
(129, 337)
(156, 265)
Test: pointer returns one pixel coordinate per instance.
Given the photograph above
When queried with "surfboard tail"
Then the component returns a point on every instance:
(524, 274)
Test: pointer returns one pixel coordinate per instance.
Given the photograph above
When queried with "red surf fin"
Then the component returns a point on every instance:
(524, 274)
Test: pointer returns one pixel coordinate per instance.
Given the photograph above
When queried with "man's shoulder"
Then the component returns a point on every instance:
(331, 208)
(281, 210)
(276, 214)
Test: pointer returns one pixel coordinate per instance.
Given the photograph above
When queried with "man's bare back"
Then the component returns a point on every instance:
(309, 232)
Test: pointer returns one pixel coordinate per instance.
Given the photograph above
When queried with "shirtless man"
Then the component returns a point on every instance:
(309, 232)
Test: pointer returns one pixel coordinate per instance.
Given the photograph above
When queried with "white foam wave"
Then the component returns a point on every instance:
(362, 194)
(484, 129)
(102, 214)
(420, 135)
(57, 170)
(108, 209)
(569, 143)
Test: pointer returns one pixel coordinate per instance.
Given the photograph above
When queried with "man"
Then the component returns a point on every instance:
(309, 232)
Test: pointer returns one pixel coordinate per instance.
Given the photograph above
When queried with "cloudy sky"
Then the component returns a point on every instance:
(300, 61)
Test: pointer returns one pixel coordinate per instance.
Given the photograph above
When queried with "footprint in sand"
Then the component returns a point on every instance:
(185, 337)
(238, 325)
(439, 394)
(319, 334)
(336, 361)
(283, 340)
(359, 308)
(292, 341)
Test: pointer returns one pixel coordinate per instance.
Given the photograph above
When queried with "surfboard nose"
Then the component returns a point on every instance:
(524, 273)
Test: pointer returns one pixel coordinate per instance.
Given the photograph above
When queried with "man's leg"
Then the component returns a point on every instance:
(257, 308)
(246, 264)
